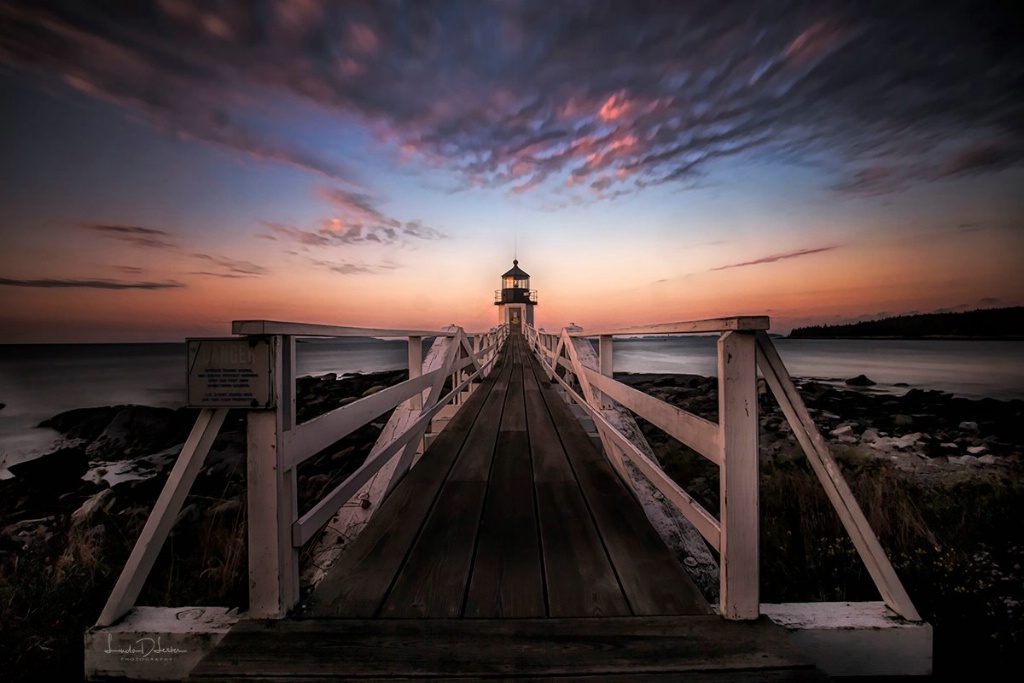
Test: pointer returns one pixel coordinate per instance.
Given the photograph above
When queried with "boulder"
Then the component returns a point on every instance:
(55, 472)
(139, 430)
(860, 381)
(902, 420)
(968, 426)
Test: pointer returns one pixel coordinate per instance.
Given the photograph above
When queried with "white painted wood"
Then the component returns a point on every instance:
(307, 525)
(286, 400)
(309, 438)
(273, 327)
(266, 600)
(739, 515)
(416, 367)
(736, 323)
(606, 364)
(831, 478)
(161, 519)
(288, 506)
(448, 356)
(699, 434)
(703, 520)
(581, 354)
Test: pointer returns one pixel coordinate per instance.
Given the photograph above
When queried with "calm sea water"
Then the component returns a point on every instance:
(37, 381)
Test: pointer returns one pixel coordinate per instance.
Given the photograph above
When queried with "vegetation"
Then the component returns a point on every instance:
(983, 323)
(956, 544)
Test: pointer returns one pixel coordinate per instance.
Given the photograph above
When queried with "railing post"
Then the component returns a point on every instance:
(605, 349)
(272, 496)
(416, 367)
(737, 417)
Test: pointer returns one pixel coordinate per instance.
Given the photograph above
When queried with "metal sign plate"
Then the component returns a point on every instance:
(230, 373)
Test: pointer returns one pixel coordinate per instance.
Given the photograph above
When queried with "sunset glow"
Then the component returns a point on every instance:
(376, 165)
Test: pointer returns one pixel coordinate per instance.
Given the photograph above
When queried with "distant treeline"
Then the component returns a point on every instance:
(987, 323)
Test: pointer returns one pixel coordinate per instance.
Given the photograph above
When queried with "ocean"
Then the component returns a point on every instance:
(38, 381)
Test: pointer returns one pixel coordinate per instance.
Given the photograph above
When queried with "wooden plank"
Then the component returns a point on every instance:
(507, 580)
(651, 578)
(738, 481)
(359, 581)
(343, 649)
(820, 457)
(579, 576)
(729, 676)
(432, 583)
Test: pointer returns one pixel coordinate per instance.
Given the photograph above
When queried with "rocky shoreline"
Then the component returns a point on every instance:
(86, 501)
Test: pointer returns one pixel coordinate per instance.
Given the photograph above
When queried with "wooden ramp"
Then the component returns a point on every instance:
(512, 549)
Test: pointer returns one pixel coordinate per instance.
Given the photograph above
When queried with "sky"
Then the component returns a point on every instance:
(167, 167)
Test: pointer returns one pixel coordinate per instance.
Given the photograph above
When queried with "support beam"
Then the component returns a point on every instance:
(831, 478)
(161, 519)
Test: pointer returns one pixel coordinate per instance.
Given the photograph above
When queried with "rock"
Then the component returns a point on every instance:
(190, 514)
(968, 426)
(138, 430)
(225, 507)
(81, 423)
(977, 450)
(860, 381)
(902, 420)
(968, 460)
(842, 430)
(988, 459)
(101, 502)
(373, 390)
(949, 446)
(55, 472)
(907, 440)
(870, 435)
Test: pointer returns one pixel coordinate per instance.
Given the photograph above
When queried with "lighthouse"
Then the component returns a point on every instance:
(515, 300)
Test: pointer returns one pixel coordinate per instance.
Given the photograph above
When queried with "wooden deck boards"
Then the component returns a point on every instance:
(704, 648)
(513, 550)
(515, 515)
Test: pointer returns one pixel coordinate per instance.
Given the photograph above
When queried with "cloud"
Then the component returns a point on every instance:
(357, 221)
(133, 234)
(139, 64)
(350, 268)
(230, 268)
(776, 257)
(586, 99)
(88, 284)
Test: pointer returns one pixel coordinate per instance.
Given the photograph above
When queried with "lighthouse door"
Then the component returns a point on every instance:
(514, 321)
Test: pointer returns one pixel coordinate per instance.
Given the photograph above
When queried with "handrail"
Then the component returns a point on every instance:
(272, 327)
(741, 323)
(731, 444)
(277, 446)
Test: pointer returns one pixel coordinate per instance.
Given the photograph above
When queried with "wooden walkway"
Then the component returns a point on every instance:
(512, 549)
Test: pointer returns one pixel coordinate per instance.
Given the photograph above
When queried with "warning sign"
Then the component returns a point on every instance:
(230, 373)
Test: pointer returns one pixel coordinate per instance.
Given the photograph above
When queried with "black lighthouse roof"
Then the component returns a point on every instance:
(516, 272)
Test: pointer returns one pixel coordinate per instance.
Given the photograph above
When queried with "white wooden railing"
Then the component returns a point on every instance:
(744, 347)
(277, 446)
